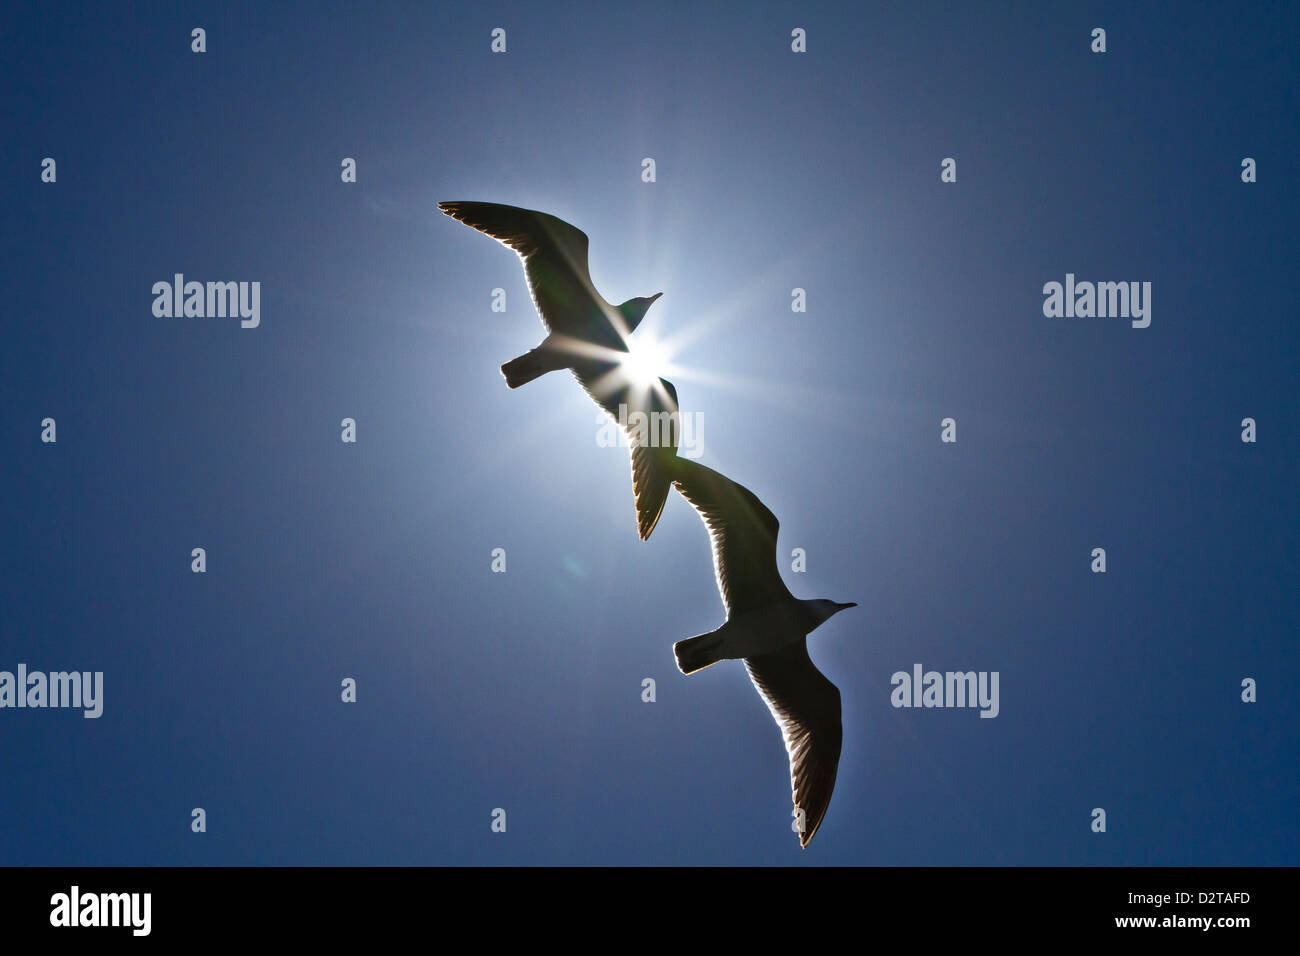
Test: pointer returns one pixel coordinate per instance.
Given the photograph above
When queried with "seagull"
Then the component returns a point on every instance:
(767, 627)
(588, 336)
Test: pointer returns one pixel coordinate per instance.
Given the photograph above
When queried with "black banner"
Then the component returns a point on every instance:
(332, 905)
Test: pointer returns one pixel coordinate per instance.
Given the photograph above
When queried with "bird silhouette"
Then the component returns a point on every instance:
(589, 337)
(767, 627)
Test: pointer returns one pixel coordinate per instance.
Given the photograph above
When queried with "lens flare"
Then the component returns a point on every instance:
(647, 359)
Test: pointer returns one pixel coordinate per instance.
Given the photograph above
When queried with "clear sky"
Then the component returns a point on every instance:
(774, 171)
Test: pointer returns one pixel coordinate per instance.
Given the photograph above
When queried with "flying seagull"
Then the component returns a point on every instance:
(588, 336)
(767, 627)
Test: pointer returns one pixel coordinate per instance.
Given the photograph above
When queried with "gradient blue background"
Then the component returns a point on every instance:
(522, 690)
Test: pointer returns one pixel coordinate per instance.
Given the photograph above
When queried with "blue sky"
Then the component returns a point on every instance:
(522, 690)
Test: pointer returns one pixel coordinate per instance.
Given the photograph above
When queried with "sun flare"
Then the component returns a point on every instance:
(646, 361)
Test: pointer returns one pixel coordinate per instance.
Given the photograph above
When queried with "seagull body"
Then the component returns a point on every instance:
(586, 335)
(767, 627)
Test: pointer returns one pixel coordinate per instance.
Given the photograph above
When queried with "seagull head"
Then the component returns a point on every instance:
(634, 310)
(823, 610)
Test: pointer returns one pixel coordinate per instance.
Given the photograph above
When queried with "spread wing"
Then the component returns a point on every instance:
(743, 534)
(554, 255)
(652, 436)
(806, 706)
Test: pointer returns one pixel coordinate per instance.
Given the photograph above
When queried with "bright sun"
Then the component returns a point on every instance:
(646, 361)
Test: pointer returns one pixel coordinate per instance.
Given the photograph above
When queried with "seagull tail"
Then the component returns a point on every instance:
(697, 653)
(530, 365)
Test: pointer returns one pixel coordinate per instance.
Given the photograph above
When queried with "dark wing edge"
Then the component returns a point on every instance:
(654, 457)
(523, 230)
(742, 532)
(806, 706)
(554, 252)
(652, 472)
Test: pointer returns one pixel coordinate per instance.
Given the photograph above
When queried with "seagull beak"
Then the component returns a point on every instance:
(653, 297)
(850, 604)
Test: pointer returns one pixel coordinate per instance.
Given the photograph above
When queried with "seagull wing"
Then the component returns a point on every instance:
(653, 440)
(743, 534)
(806, 706)
(554, 255)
